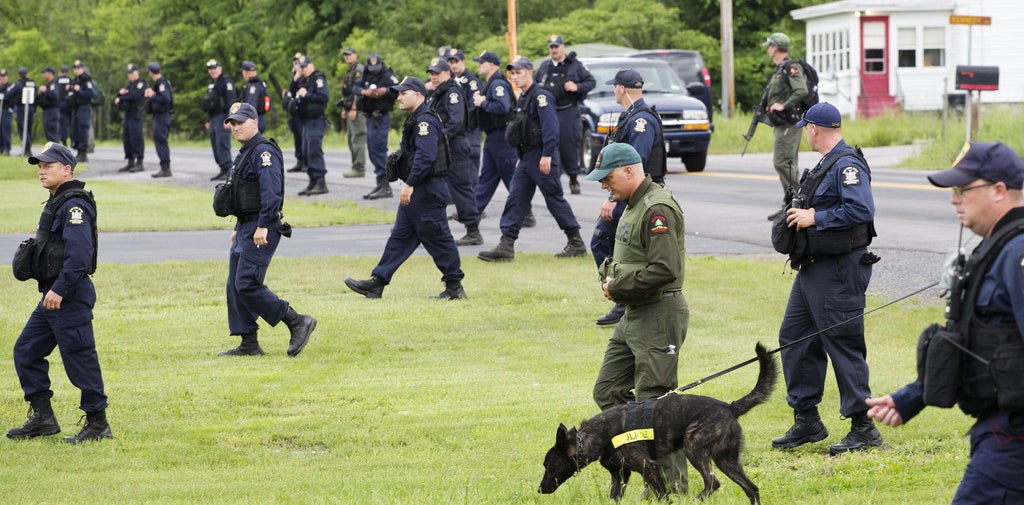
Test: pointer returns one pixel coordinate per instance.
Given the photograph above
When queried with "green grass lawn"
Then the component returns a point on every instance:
(406, 400)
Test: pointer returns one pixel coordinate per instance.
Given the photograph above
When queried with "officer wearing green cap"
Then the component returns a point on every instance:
(645, 273)
(786, 88)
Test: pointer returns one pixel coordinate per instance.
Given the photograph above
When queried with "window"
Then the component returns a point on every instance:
(830, 51)
(874, 47)
(907, 44)
(934, 44)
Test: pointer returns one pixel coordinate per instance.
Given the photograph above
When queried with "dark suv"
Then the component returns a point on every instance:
(689, 66)
(687, 129)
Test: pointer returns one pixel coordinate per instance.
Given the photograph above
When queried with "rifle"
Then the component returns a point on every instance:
(760, 116)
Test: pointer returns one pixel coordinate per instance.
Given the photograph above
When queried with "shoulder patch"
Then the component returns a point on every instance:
(658, 224)
(252, 89)
(794, 69)
(88, 84)
(473, 85)
(424, 128)
(162, 87)
(75, 215)
(453, 97)
(851, 176)
(229, 86)
(499, 91)
(394, 79)
(265, 159)
(140, 85)
(640, 125)
(542, 101)
(319, 83)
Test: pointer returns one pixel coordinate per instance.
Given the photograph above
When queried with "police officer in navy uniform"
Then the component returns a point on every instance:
(20, 110)
(569, 81)
(538, 167)
(220, 94)
(640, 127)
(985, 314)
(833, 215)
(48, 99)
(447, 99)
(160, 103)
(63, 90)
(258, 182)
(131, 101)
(470, 84)
(294, 123)
(5, 114)
(63, 317)
(375, 103)
(80, 102)
(254, 92)
(310, 102)
(421, 214)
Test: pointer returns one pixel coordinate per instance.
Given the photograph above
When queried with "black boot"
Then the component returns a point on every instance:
(317, 186)
(300, 326)
(370, 288)
(41, 421)
(137, 167)
(165, 170)
(574, 185)
(575, 247)
(81, 156)
(504, 251)
(452, 291)
(613, 316)
(222, 176)
(128, 167)
(95, 428)
(383, 190)
(472, 236)
(250, 346)
(299, 167)
(807, 427)
(863, 436)
(529, 221)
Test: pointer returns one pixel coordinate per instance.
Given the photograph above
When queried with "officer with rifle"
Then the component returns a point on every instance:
(780, 105)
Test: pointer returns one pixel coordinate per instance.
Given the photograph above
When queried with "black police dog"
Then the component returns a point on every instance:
(705, 428)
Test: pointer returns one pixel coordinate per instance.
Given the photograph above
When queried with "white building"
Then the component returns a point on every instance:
(877, 54)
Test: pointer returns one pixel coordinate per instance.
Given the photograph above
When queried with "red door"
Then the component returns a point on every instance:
(874, 70)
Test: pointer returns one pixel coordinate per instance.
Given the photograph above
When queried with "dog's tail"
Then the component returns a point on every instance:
(765, 383)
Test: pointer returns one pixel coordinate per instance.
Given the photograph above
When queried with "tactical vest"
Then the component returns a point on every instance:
(49, 253)
(383, 104)
(239, 197)
(355, 72)
(490, 122)
(308, 109)
(439, 101)
(629, 254)
(214, 102)
(522, 131)
(63, 82)
(656, 163)
(155, 107)
(999, 382)
(399, 163)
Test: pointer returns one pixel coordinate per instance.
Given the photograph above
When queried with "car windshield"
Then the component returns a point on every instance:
(657, 78)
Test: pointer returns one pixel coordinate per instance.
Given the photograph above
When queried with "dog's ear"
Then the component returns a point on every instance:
(560, 436)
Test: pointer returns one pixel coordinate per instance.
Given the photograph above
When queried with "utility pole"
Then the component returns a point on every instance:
(728, 77)
(511, 36)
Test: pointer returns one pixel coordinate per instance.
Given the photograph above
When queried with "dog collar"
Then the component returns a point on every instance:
(632, 436)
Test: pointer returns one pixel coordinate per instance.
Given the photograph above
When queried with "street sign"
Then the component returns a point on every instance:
(955, 19)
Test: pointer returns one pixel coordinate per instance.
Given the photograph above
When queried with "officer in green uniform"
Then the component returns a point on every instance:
(787, 87)
(645, 273)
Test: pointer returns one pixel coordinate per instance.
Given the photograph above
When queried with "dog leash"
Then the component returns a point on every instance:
(812, 335)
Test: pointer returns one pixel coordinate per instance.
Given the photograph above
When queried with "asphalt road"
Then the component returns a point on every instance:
(725, 208)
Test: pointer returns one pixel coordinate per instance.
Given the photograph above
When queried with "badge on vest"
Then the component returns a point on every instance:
(542, 101)
(75, 215)
(640, 125)
(424, 128)
(266, 158)
(851, 176)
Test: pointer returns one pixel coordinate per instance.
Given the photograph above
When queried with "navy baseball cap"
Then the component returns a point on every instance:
(305, 61)
(63, 68)
(455, 54)
(992, 161)
(49, 69)
(248, 65)
(443, 50)
(240, 111)
(628, 78)
(212, 63)
(555, 40)
(374, 63)
(489, 56)
(612, 156)
(520, 63)
(410, 83)
(822, 114)
(437, 65)
(131, 68)
(54, 152)
(154, 67)
(22, 71)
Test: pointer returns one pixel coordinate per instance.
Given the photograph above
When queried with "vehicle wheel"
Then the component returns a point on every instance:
(586, 156)
(695, 161)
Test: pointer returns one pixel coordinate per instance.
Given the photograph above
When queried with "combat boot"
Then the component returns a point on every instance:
(807, 427)
(81, 156)
(299, 167)
(221, 176)
(138, 167)
(353, 174)
(128, 166)
(317, 186)
(529, 221)
(41, 421)
(165, 170)
(452, 291)
(504, 251)
(574, 185)
(383, 190)
(472, 236)
(575, 247)
(300, 326)
(613, 316)
(95, 428)
(370, 288)
(863, 436)
(250, 346)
